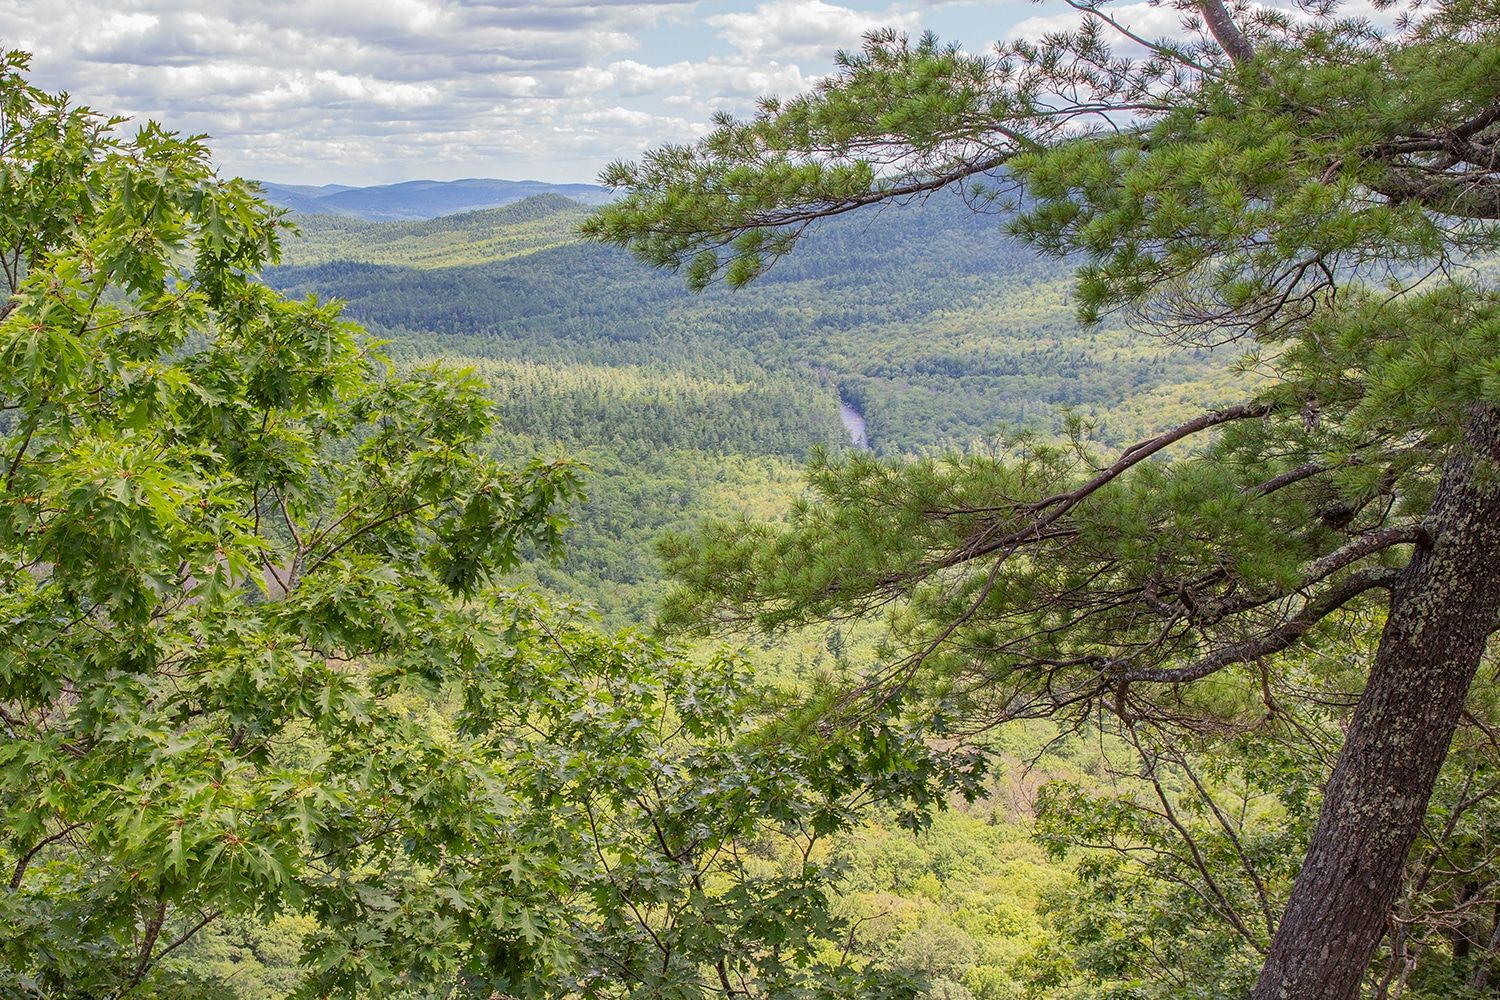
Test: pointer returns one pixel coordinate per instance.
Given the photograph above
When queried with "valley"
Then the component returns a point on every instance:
(927, 327)
(939, 331)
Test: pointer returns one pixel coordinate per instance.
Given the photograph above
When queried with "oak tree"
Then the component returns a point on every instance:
(228, 529)
(256, 658)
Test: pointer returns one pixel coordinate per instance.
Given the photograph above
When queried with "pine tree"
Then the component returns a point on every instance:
(1293, 181)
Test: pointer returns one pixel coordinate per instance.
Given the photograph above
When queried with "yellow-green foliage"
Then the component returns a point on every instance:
(537, 223)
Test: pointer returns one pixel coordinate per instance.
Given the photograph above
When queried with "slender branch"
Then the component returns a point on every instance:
(799, 217)
(1360, 547)
(1478, 123)
(1471, 196)
(1287, 478)
(1275, 640)
(1059, 504)
(153, 931)
(25, 860)
(1228, 828)
(1175, 55)
(365, 529)
(1224, 907)
(187, 935)
(15, 463)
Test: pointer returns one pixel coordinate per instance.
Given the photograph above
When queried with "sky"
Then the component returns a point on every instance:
(377, 91)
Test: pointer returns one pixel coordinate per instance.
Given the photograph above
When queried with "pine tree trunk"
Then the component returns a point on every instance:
(1443, 608)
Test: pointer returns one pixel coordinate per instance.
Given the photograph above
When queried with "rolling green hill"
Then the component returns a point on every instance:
(940, 330)
(540, 222)
(927, 318)
(419, 199)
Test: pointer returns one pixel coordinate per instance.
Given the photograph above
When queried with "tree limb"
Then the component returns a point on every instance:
(1228, 34)
(1059, 504)
(25, 860)
(1275, 640)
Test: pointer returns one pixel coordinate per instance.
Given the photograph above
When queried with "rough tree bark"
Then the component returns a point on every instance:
(1443, 608)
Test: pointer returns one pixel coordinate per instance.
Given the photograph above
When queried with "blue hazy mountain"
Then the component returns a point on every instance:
(413, 200)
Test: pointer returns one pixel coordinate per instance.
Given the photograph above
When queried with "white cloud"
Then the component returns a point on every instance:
(301, 89)
(804, 29)
(360, 91)
(1146, 20)
(708, 81)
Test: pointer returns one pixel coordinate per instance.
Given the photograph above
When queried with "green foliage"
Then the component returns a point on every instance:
(244, 958)
(258, 683)
(1241, 200)
(694, 808)
(1278, 182)
(257, 674)
(219, 507)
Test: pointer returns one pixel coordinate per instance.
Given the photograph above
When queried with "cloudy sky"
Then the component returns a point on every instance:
(372, 91)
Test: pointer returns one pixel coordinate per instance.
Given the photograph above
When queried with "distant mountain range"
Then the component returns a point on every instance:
(414, 200)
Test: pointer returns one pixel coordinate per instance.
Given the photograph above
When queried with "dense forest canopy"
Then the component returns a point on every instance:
(942, 331)
(940, 326)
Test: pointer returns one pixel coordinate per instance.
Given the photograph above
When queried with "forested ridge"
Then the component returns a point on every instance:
(940, 329)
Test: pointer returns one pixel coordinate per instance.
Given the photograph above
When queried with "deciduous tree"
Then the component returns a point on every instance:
(254, 658)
